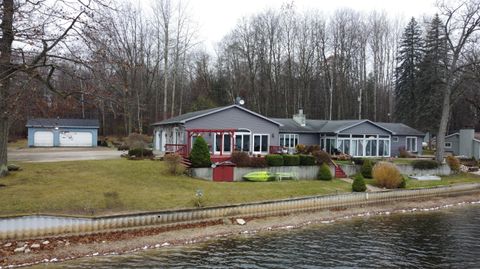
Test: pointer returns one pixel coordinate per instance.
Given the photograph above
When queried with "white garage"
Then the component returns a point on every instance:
(75, 139)
(62, 132)
(43, 139)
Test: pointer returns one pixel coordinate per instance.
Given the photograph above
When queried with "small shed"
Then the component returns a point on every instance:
(62, 132)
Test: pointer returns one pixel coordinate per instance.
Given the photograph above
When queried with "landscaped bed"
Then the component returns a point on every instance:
(446, 180)
(120, 186)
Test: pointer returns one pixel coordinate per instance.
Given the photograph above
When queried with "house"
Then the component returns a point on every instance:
(62, 132)
(236, 128)
(463, 143)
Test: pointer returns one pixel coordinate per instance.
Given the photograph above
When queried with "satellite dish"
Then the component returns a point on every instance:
(239, 101)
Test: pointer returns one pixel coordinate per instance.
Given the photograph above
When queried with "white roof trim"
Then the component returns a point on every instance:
(363, 121)
(228, 107)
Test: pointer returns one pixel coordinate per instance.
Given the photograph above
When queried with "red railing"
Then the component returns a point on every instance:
(177, 148)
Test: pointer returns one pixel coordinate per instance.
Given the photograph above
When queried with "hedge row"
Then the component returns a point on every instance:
(289, 160)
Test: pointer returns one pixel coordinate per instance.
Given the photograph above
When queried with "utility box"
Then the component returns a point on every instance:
(223, 171)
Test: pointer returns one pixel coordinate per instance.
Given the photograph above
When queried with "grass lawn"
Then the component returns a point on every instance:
(446, 180)
(117, 186)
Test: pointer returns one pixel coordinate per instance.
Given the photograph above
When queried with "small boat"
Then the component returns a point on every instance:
(260, 176)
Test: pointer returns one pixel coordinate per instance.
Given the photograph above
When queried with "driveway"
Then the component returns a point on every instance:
(61, 154)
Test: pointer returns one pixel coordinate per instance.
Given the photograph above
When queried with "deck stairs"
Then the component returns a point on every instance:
(339, 173)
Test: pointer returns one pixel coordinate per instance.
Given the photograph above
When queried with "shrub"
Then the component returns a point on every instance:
(123, 147)
(366, 169)
(135, 140)
(403, 184)
(174, 164)
(307, 159)
(403, 153)
(258, 162)
(274, 160)
(454, 163)
(386, 175)
(241, 159)
(322, 157)
(358, 184)
(291, 160)
(301, 149)
(200, 154)
(140, 153)
(324, 172)
(424, 164)
(312, 149)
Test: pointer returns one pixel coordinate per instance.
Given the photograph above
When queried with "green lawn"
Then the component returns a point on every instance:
(446, 180)
(117, 186)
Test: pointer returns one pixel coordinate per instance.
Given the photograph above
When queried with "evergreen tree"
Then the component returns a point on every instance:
(431, 79)
(409, 57)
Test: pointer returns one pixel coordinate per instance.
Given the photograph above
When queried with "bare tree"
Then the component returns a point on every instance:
(462, 23)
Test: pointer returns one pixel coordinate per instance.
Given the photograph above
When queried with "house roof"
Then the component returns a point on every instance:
(52, 122)
(202, 113)
(336, 126)
(400, 129)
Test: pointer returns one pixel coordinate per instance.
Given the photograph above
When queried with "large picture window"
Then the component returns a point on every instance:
(260, 143)
(411, 144)
(362, 145)
(289, 140)
(242, 142)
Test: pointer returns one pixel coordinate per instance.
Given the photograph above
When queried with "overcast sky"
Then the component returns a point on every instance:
(217, 17)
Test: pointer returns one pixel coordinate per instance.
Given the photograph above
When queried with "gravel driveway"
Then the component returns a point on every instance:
(61, 154)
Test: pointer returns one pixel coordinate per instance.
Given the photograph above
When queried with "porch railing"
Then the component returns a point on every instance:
(177, 148)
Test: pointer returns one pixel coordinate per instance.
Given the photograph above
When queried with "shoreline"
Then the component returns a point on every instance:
(61, 249)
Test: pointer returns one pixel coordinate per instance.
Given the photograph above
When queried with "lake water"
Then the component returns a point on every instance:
(447, 238)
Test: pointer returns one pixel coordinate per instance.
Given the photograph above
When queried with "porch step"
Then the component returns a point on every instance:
(339, 173)
(186, 162)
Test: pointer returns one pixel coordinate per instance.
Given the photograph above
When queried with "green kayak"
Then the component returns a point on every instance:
(260, 176)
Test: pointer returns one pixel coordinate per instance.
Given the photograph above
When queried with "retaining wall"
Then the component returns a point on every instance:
(300, 172)
(406, 169)
(47, 226)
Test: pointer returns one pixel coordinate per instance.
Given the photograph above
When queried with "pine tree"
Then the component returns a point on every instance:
(431, 80)
(409, 58)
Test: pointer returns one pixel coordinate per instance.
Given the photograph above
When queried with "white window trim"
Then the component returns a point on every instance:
(242, 133)
(290, 136)
(253, 144)
(449, 145)
(223, 144)
(416, 143)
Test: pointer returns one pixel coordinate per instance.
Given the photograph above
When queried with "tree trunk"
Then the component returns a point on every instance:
(442, 130)
(5, 74)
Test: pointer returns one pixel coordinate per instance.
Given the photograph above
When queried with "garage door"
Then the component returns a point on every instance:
(75, 139)
(43, 139)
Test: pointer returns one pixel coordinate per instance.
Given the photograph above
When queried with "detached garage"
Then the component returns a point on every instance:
(62, 132)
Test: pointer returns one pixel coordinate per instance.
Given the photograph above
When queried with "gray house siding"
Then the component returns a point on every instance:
(455, 149)
(402, 142)
(235, 118)
(308, 139)
(365, 128)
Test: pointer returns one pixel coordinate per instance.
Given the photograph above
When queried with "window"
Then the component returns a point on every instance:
(411, 144)
(242, 142)
(289, 140)
(225, 144)
(395, 139)
(330, 144)
(448, 145)
(260, 143)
